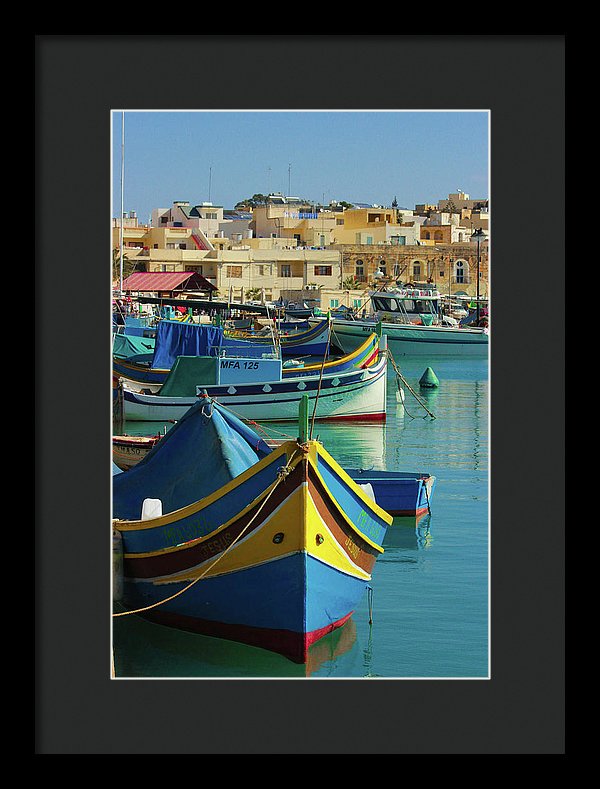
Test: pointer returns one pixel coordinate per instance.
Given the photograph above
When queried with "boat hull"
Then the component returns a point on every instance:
(358, 395)
(413, 340)
(129, 450)
(312, 342)
(401, 494)
(280, 574)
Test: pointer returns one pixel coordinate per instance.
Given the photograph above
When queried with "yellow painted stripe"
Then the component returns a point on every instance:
(375, 508)
(352, 484)
(353, 355)
(258, 547)
(298, 519)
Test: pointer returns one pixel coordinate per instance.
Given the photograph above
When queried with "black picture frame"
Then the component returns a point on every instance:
(79, 710)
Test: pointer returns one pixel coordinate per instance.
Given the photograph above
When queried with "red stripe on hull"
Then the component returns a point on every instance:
(293, 646)
(355, 418)
(408, 513)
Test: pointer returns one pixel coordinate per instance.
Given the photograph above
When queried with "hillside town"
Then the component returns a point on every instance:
(282, 248)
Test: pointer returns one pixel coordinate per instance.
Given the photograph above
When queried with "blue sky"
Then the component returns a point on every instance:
(367, 157)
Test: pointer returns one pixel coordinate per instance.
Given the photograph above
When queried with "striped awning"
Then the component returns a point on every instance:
(166, 281)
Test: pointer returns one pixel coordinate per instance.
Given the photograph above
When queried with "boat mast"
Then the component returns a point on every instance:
(121, 221)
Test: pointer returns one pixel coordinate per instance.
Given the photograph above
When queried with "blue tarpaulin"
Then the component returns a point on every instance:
(204, 450)
(174, 338)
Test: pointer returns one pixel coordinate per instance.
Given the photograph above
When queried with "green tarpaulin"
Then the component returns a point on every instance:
(187, 373)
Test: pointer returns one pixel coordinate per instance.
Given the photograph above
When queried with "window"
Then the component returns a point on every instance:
(286, 270)
(356, 303)
(459, 269)
(369, 239)
(322, 271)
(234, 272)
(182, 246)
(416, 270)
(334, 302)
(382, 267)
(163, 220)
(359, 270)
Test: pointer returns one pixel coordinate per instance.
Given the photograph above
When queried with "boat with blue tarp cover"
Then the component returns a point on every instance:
(149, 372)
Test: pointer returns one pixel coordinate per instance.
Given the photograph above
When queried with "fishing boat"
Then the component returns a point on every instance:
(414, 340)
(415, 325)
(129, 450)
(255, 389)
(313, 341)
(399, 493)
(140, 372)
(277, 556)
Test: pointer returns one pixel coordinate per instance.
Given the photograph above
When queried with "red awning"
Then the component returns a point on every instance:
(166, 280)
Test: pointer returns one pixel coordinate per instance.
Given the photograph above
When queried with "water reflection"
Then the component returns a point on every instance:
(413, 534)
(146, 649)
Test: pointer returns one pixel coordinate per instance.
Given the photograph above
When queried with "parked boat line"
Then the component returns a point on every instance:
(204, 544)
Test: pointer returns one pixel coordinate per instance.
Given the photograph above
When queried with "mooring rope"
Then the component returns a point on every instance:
(408, 386)
(282, 473)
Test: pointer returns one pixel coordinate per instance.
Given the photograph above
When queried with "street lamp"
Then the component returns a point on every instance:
(478, 236)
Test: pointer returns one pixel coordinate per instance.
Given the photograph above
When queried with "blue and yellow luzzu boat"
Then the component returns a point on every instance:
(140, 373)
(276, 558)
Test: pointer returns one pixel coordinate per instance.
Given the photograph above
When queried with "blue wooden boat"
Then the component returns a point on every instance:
(142, 373)
(257, 390)
(276, 555)
(313, 341)
(400, 493)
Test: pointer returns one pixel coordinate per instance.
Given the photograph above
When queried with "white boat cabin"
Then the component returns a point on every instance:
(410, 305)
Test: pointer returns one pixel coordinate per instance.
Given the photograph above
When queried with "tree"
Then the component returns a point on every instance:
(252, 202)
(351, 283)
(129, 266)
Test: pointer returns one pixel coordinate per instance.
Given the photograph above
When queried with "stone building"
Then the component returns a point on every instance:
(451, 267)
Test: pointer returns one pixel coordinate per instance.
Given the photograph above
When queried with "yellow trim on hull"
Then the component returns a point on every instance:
(303, 530)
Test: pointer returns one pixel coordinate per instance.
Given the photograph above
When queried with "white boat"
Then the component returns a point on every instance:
(414, 323)
(413, 340)
(356, 394)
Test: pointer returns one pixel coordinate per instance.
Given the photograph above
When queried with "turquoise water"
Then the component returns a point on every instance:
(429, 604)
